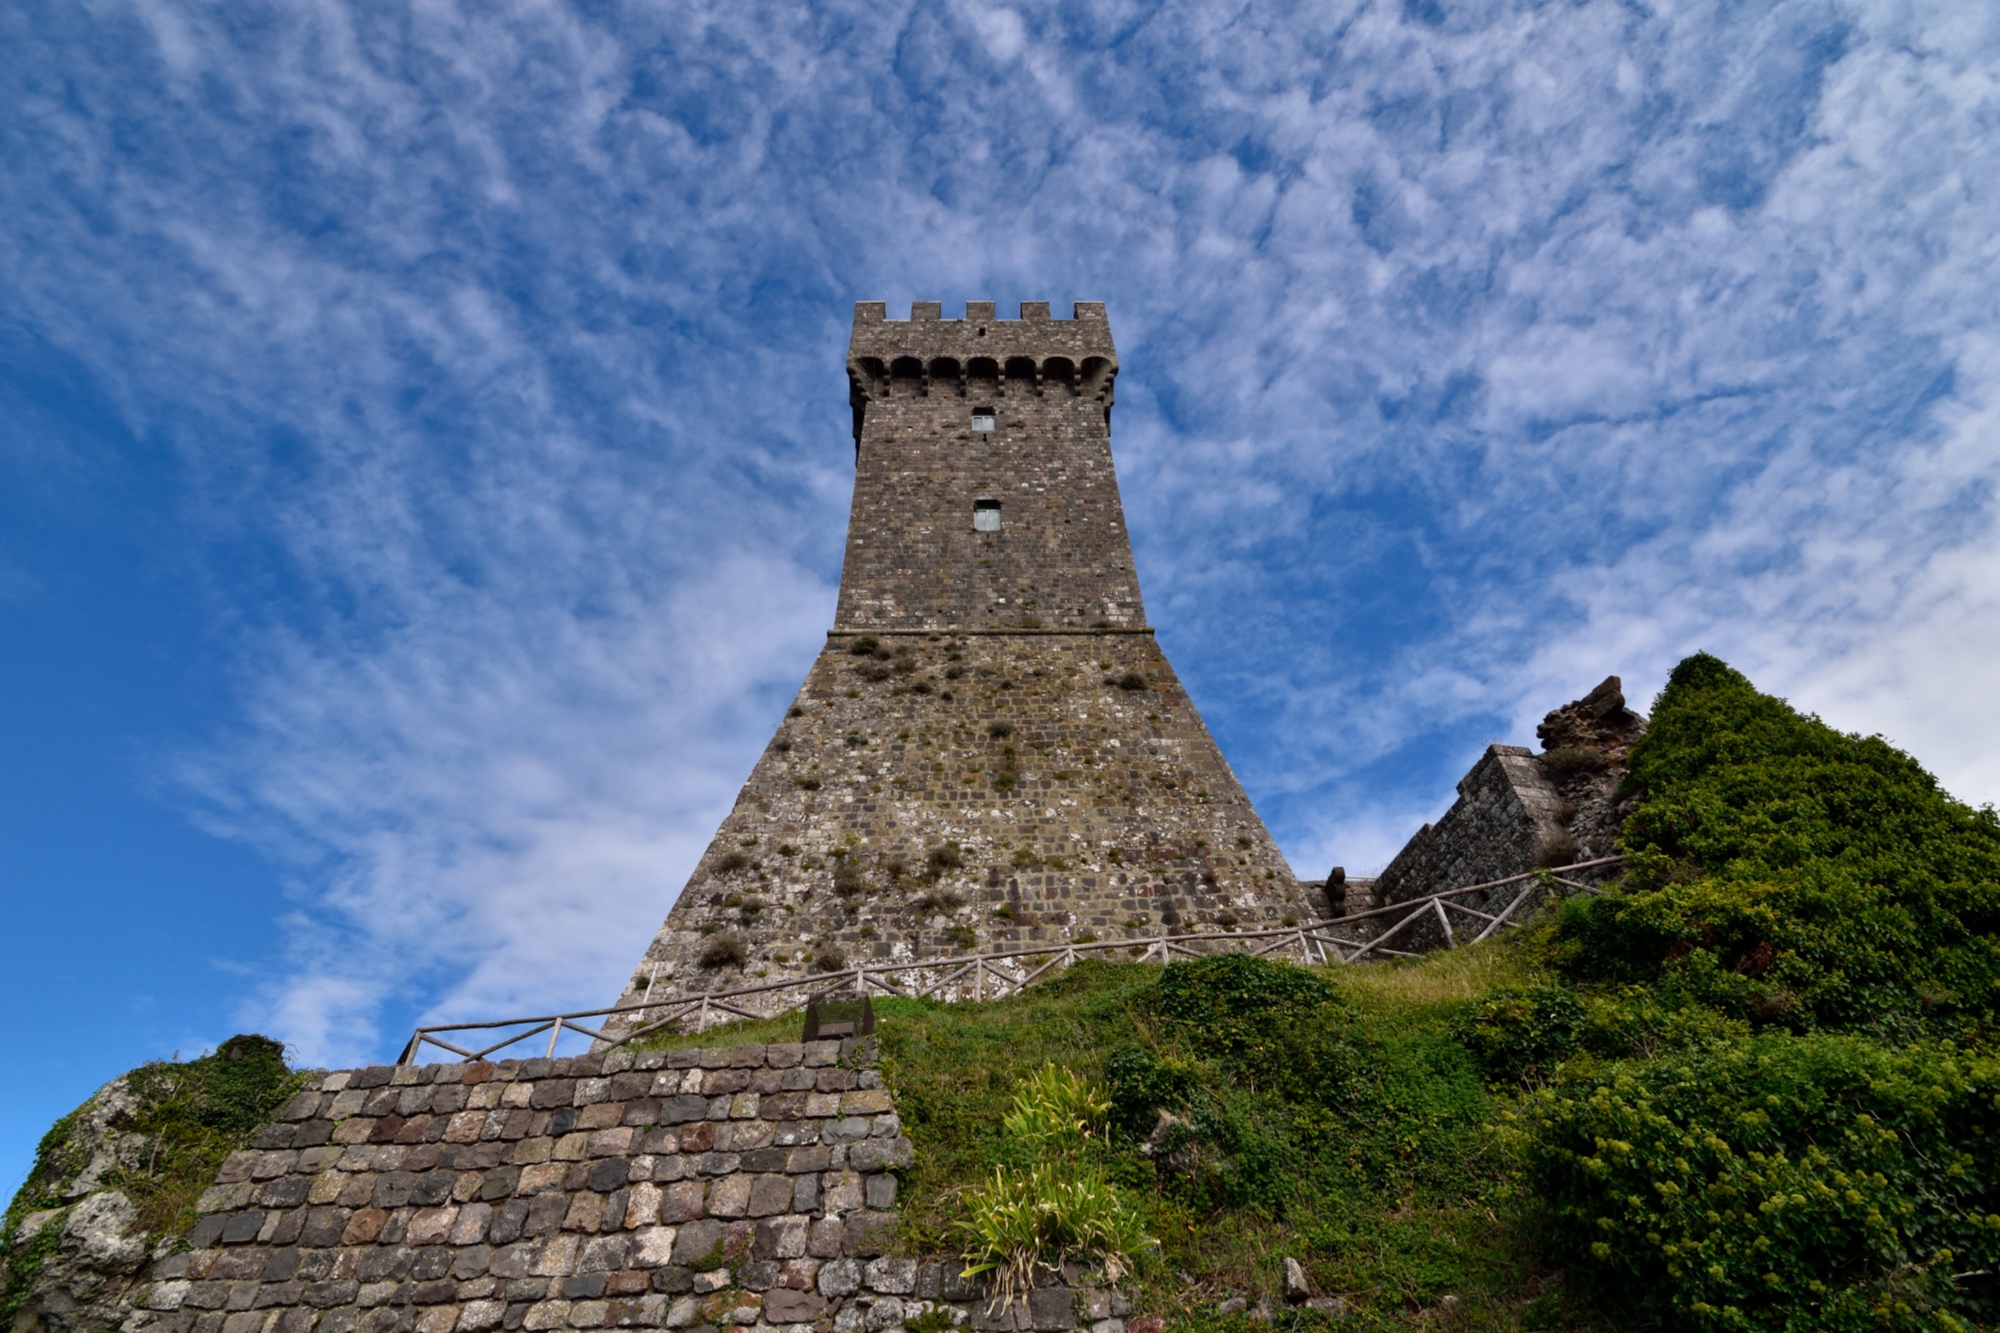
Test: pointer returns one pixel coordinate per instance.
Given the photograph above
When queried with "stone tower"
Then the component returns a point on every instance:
(991, 750)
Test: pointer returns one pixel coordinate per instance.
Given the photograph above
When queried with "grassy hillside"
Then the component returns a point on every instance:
(1751, 1087)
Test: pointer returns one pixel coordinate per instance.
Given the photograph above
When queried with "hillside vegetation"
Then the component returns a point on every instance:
(1750, 1087)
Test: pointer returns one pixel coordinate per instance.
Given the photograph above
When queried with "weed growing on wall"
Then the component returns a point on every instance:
(1058, 1205)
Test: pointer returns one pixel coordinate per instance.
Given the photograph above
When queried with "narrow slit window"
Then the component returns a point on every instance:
(986, 516)
(982, 418)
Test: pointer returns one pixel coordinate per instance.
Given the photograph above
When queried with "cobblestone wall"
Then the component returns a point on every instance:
(747, 1186)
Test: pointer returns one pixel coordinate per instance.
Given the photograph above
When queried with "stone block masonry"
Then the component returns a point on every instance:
(738, 1186)
(991, 750)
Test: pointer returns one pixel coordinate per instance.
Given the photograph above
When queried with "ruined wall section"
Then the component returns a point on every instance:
(1062, 556)
(1517, 811)
(1508, 818)
(944, 794)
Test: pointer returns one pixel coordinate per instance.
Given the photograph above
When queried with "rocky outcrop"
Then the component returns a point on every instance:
(71, 1267)
(1584, 748)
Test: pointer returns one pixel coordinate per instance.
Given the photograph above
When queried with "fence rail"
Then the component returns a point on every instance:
(991, 976)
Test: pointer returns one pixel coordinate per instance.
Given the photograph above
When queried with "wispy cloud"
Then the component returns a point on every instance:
(1471, 352)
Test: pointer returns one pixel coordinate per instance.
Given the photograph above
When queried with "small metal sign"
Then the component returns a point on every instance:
(838, 1013)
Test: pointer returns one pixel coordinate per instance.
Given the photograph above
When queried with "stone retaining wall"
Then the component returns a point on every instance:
(688, 1189)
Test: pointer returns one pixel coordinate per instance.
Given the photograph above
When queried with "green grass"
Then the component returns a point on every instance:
(1375, 1167)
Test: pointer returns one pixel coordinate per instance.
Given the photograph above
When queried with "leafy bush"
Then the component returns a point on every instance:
(1233, 1003)
(1519, 1032)
(1786, 1183)
(1786, 872)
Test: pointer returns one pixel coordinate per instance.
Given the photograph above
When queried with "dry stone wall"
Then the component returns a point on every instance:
(747, 1187)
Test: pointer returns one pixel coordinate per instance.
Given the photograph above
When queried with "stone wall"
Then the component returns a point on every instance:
(748, 1186)
(1517, 811)
(1103, 810)
(1508, 818)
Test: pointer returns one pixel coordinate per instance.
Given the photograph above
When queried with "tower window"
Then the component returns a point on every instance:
(986, 516)
(982, 418)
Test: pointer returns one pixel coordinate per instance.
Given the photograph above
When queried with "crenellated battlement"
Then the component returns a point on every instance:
(981, 353)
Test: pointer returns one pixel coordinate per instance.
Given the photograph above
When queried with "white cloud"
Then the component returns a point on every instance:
(1463, 365)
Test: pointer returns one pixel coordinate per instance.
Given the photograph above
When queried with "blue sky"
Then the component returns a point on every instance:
(423, 455)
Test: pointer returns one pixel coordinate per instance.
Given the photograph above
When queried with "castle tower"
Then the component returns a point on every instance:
(991, 750)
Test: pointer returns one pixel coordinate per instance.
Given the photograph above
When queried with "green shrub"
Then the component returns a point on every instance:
(1788, 873)
(1786, 1183)
(1519, 1032)
(1234, 1004)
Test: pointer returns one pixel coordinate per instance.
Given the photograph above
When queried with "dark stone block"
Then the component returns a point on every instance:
(765, 1159)
(673, 1280)
(375, 1076)
(394, 1189)
(545, 1214)
(499, 1183)
(432, 1263)
(312, 1134)
(584, 1287)
(386, 1263)
(434, 1188)
(242, 1228)
(434, 1293)
(868, 1233)
(562, 1122)
(609, 1174)
(275, 1136)
(286, 1192)
(508, 1219)
(289, 1227)
(1051, 1309)
(682, 1109)
(698, 1241)
(552, 1092)
(207, 1233)
(281, 1265)
(792, 1307)
(323, 1295)
(759, 1275)
(277, 1295)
